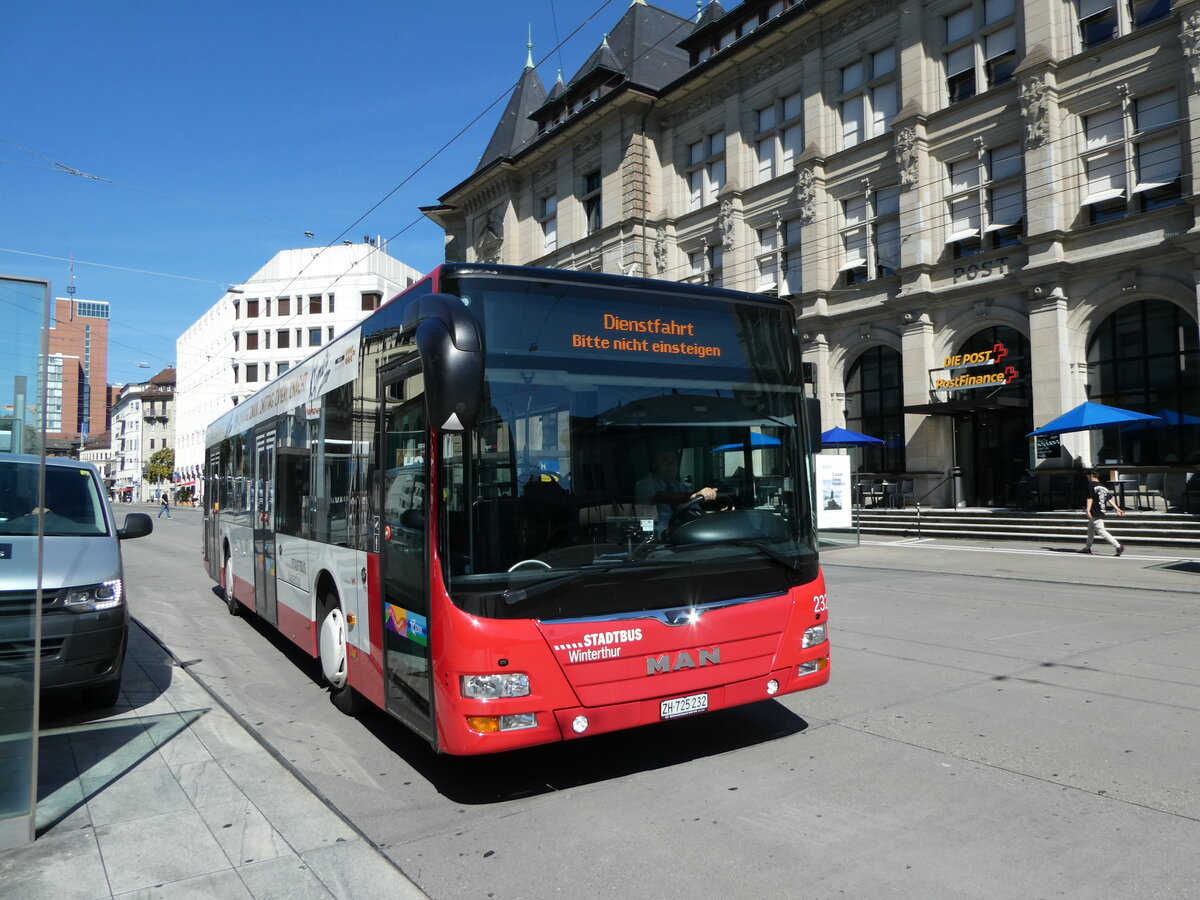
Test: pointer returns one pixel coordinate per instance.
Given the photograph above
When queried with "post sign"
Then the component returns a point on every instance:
(968, 371)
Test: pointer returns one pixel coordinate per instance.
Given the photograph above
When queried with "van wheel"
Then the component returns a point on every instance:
(331, 643)
(104, 696)
(235, 608)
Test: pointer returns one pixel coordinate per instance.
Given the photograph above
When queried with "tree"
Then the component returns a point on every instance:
(161, 466)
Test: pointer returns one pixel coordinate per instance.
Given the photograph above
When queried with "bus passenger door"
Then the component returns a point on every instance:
(212, 534)
(264, 526)
(403, 547)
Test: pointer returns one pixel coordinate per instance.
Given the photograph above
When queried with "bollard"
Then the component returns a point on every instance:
(958, 499)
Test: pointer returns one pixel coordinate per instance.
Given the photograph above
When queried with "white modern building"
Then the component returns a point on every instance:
(294, 304)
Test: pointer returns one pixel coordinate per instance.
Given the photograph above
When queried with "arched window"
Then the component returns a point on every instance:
(874, 406)
(1145, 357)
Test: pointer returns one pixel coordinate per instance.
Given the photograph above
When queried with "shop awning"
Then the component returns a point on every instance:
(962, 406)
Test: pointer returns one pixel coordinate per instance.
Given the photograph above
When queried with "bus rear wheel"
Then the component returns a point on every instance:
(231, 603)
(335, 666)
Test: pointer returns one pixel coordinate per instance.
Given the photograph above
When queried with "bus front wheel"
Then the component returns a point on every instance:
(331, 637)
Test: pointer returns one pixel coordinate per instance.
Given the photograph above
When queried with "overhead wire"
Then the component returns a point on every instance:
(429, 159)
(677, 269)
(64, 169)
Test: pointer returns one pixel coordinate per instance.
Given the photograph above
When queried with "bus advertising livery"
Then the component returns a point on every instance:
(515, 506)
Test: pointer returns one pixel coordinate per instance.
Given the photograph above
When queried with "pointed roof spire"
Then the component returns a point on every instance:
(529, 49)
(699, 9)
(515, 129)
(557, 89)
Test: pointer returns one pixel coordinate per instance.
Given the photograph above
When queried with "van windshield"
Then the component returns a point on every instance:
(73, 504)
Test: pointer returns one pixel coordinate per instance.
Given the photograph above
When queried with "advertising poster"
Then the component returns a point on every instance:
(834, 500)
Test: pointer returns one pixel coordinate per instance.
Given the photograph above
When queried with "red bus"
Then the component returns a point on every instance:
(515, 506)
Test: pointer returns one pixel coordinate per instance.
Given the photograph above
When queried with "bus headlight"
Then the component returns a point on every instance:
(492, 687)
(95, 597)
(812, 637)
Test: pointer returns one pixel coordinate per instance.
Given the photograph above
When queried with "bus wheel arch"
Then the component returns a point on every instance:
(231, 602)
(332, 649)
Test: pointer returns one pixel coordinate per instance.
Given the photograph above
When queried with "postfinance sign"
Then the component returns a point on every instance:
(956, 380)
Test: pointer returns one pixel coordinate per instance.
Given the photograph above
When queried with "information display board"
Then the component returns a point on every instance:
(834, 497)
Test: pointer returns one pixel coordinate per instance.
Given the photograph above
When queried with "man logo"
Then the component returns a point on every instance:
(656, 665)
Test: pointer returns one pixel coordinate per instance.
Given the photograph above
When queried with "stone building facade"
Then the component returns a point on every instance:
(982, 210)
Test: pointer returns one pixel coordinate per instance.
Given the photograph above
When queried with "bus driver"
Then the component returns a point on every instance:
(664, 489)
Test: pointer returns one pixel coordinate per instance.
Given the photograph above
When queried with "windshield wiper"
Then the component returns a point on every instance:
(523, 595)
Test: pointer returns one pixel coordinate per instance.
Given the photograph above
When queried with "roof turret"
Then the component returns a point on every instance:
(515, 128)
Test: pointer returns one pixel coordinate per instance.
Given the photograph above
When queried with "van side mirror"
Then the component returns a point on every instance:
(452, 358)
(136, 525)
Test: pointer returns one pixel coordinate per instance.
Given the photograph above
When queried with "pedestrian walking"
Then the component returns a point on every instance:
(1099, 497)
(164, 507)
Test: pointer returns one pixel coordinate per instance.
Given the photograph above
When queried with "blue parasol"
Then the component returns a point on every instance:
(844, 437)
(1087, 416)
(756, 440)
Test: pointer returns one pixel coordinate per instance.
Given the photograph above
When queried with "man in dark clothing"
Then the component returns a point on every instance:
(663, 490)
(1098, 498)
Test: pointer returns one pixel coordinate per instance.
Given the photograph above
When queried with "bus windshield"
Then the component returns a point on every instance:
(633, 453)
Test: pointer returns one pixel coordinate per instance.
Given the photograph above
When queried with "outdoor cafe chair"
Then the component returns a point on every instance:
(871, 490)
(1128, 483)
(1155, 487)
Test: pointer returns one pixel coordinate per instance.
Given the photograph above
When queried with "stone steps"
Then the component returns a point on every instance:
(1144, 529)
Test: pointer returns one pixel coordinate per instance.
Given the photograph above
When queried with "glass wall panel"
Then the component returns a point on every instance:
(26, 306)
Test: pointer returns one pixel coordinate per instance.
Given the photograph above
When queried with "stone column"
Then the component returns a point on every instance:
(928, 439)
(1057, 379)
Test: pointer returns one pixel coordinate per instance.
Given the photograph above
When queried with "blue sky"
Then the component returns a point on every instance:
(226, 130)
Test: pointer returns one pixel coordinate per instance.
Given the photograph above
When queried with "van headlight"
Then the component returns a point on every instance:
(95, 597)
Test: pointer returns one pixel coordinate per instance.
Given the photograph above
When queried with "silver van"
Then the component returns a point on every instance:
(85, 621)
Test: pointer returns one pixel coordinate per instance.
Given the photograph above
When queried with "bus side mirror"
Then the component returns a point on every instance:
(452, 358)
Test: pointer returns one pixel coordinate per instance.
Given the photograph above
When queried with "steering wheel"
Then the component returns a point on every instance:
(529, 562)
(686, 511)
